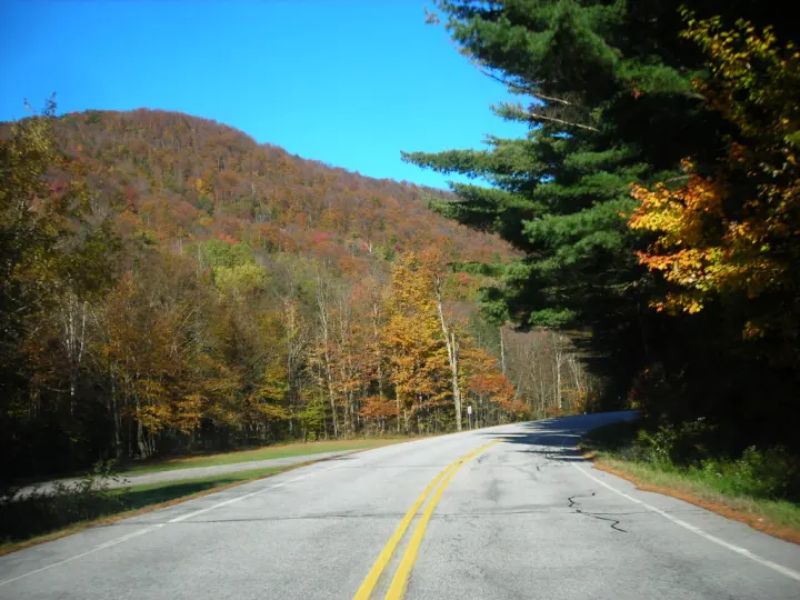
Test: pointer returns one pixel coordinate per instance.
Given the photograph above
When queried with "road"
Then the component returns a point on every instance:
(518, 514)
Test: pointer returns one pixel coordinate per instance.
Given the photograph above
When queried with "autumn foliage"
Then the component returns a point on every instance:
(700, 248)
(170, 285)
(732, 230)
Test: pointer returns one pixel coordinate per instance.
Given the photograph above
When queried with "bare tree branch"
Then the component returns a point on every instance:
(540, 117)
(526, 90)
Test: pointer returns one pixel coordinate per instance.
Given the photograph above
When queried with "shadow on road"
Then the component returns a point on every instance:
(552, 444)
(556, 439)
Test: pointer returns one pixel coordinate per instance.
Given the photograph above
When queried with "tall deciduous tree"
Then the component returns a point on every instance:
(55, 258)
(733, 229)
(413, 341)
(727, 235)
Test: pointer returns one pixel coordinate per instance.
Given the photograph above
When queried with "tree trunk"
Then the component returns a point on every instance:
(74, 315)
(115, 419)
(558, 356)
(323, 317)
(452, 355)
(397, 399)
(502, 353)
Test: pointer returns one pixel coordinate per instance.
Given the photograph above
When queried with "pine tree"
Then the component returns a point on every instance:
(610, 102)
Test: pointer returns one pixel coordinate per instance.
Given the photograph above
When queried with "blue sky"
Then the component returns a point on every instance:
(350, 83)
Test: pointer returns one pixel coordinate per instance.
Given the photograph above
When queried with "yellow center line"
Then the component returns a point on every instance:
(371, 580)
(397, 588)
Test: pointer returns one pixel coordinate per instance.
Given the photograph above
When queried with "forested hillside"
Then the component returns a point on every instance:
(170, 285)
(175, 177)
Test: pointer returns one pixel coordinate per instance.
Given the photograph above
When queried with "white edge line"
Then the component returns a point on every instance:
(694, 529)
(102, 546)
(129, 536)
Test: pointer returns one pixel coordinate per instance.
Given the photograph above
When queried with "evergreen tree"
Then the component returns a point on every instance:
(610, 102)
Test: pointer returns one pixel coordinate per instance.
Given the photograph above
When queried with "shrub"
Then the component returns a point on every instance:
(682, 444)
(772, 473)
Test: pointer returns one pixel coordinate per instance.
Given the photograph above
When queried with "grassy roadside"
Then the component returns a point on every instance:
(746, 489)
(42, 518)
(263, 453)
(109, 506)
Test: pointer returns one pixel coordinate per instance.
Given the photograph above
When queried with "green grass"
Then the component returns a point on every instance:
(43, 518)
(757, 487)
(782, 513)
(140, 496)
(263, 453)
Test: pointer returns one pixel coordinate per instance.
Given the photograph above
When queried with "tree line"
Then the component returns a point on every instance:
(128, 334)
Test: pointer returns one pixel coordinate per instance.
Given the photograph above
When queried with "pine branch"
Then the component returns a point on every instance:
(526, 90)
(539, 117)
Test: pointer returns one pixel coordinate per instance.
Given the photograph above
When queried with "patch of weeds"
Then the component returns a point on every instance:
(704, 453)
(772, 473)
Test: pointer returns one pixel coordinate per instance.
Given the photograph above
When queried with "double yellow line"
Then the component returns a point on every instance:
(397, 587)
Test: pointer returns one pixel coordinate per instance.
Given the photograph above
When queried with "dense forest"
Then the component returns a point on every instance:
(169, 285)
(655, 200)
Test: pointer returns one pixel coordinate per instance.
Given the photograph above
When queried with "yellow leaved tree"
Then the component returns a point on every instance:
(731, 232)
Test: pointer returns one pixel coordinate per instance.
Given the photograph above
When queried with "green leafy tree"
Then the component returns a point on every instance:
(32, 216)
(55, 260)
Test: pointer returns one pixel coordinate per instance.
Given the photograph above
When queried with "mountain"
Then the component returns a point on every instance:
(179, 178)
(171, 285)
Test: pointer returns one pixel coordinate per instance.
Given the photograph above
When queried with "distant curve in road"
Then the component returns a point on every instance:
(503, 512)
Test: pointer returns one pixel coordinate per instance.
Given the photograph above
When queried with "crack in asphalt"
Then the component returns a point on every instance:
(614, 522)
(278, 519)
(443, 516)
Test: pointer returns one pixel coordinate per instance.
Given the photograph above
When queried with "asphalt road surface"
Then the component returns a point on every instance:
(505, 512)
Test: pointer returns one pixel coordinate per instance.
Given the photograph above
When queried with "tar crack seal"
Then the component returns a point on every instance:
(574, 505)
